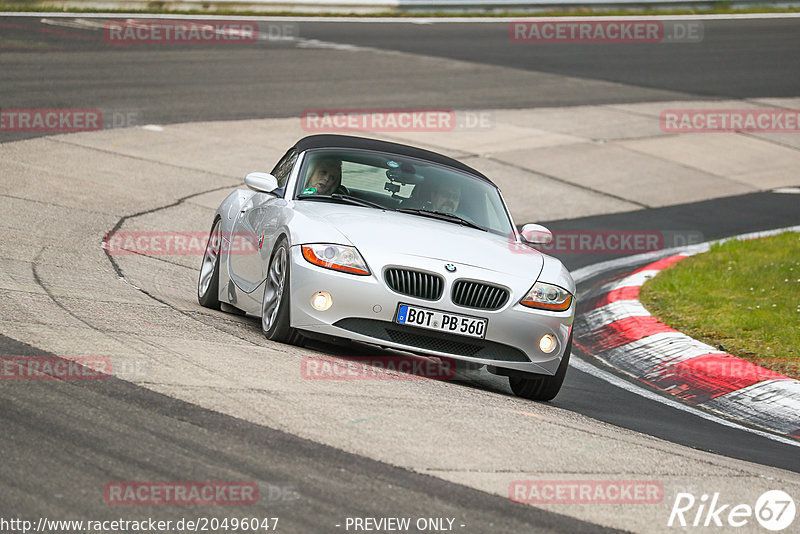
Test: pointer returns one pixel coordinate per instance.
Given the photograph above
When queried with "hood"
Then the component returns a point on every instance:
(375, 232)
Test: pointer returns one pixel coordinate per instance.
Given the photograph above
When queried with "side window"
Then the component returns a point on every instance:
(284, 167)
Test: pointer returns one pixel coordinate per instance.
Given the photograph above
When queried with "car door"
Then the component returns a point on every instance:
(255, 229)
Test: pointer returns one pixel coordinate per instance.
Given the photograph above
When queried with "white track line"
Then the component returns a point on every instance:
(630, 387)
(590, 271)
(584, 273)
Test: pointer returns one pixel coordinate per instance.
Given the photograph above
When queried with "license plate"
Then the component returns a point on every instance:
(452, 323)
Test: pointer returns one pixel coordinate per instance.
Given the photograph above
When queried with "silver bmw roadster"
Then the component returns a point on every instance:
(383, 243)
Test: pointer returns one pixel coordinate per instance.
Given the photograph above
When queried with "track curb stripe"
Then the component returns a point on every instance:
(616, 295)
(617, 329)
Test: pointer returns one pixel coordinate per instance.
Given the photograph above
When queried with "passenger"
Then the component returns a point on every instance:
(446, 197)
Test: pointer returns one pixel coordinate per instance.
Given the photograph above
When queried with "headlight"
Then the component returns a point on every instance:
(547, 297)
(336, 257)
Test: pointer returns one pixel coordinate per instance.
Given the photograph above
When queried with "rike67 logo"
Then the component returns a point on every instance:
(774, 510)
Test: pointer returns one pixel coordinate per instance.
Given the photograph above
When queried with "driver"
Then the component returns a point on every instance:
(325, 176)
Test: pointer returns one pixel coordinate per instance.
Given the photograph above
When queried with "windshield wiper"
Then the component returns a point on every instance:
(442, 216)
(343, 198)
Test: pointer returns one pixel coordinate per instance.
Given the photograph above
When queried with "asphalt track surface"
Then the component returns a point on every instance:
(156, 437)
(112, 430)
(736, 59)
(180, 83)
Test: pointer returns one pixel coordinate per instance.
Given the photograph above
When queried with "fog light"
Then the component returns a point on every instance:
(321, 300)
(547, 343)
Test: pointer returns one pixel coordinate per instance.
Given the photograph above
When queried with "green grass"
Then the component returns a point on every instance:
(156, 7)
(742, 295)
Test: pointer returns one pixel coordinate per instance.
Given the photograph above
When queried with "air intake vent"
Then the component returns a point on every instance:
(413, 337)
(478, 295)
(415, 283)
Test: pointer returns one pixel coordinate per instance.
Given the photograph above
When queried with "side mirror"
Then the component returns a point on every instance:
(536, 234)
(261, 181)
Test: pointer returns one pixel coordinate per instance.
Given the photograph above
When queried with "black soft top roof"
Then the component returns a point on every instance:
(349, 141)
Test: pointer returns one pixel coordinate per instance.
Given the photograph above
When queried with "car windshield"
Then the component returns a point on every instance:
(400, 183)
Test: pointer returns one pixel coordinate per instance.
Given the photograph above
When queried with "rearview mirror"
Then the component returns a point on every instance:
(536, 234)
(261, 181)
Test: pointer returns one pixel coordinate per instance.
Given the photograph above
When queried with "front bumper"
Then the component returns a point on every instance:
(364, 310)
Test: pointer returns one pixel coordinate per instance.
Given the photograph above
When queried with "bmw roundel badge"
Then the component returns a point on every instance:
(450, 268)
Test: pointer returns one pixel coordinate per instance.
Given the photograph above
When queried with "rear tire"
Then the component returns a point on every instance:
(276, 302)
(208, 282)
(542, 387)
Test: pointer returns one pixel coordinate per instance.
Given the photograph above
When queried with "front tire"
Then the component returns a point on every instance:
(276, 301)
(542, 387)
(208, 282)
